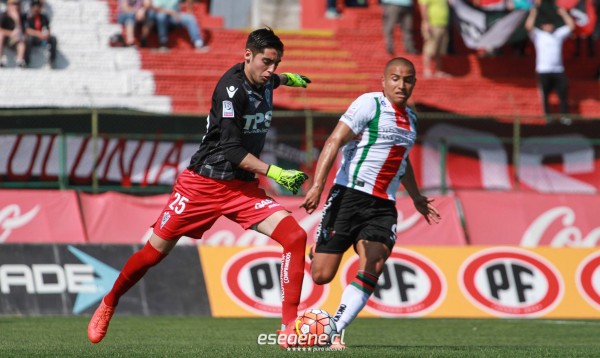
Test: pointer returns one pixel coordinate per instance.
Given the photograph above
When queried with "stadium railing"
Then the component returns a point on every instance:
(297, 139)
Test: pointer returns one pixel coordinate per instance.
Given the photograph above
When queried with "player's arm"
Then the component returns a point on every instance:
(530, 22)
(290, 179)
(230, 124)
(566, 18)
(341, 135)
(422, 203)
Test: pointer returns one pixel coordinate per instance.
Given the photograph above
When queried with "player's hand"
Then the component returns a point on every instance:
(429, 212)
(296, 80)
(311, 199)
(289, 178)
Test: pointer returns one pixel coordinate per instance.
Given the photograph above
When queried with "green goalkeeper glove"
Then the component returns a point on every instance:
(296, 80)
(290, 179)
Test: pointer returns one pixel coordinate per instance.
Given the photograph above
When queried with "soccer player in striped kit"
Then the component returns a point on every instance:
(376, 134)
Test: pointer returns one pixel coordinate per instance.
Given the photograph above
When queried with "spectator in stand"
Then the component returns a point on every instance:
(398, 12)
(332, 11)
(434, 28)
(11, 33)
(548, 41)
(37, 31)
(167, 13)
(132, 13)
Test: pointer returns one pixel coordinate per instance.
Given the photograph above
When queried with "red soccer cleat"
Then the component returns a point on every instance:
(99, 322)
(289, 332)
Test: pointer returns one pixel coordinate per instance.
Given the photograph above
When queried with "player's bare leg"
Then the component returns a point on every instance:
(324, 266)
(284, 229)
(138, 264)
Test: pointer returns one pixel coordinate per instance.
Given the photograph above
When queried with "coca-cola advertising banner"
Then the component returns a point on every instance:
(40, 216)
(120, 218)
(490, 218)
(531, 219)
(437, 282)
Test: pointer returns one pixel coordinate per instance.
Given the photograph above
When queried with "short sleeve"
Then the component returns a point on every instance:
(360, 113)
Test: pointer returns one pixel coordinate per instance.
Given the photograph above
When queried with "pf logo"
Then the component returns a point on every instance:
(588, 279)
(252, 280)
(511, 283)
(410, 285)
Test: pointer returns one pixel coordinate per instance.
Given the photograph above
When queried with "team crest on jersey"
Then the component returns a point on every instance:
(165, 218)
(228, 111)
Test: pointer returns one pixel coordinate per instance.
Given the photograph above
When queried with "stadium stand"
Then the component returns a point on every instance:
(342, 56)
(89, 73)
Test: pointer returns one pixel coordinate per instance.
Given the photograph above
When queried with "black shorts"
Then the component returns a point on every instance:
(350, 215)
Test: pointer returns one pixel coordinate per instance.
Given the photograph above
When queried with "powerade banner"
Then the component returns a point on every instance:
(72, 279)
(484, 29)
(437, 282)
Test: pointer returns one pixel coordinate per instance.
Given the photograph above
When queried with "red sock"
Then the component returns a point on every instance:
(135, 268)
(293, 239)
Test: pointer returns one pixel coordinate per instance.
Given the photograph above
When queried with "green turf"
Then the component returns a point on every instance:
(209, 337)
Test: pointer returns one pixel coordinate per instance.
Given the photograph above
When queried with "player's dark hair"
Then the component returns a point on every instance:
(261, 39)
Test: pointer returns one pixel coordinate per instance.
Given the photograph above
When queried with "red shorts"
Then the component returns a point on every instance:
(197, 202)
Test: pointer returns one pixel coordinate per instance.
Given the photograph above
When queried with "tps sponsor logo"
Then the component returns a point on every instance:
(252, 279)
(511, 283)
(588, 279)
(11, 218)
(556, 227)
(410, 285)
(90, 281)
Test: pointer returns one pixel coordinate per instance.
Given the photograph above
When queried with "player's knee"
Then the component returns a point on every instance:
(321, 277)
(296, 236)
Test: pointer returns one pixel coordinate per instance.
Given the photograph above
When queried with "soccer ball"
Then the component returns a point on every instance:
(315, 327)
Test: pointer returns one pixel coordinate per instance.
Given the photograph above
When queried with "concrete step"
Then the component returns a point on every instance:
(59, 83)
(159, 104)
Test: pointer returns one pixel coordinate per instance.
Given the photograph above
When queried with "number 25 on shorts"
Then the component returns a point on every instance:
(178, 205)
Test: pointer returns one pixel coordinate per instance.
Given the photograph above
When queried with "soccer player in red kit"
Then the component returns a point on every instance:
(221, 181)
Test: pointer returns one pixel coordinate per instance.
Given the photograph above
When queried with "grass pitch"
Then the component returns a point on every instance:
(212, 337)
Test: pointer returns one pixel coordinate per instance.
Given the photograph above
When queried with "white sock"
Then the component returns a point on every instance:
(353, 301)
(354, 298)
